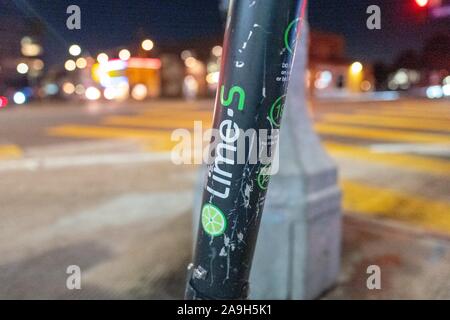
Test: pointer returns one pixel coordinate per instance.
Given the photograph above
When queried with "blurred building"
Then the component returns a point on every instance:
(330, 72)
(21, 52)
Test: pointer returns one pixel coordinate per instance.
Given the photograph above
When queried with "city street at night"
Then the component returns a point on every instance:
(69, 173)
(271, 151)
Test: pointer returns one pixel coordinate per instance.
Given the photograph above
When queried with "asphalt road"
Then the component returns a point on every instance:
(94, 186)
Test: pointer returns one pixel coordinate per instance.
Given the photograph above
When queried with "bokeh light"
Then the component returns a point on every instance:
(19, 98)
(38, 64)
(80, 89)
(434, 92)
(81, 63)
(75, 50)
(356, 67)
(70, 65)
(22, 68)
(3, 102)
(147, 45)
(186, 54)
(109, 93)
(102, 58)
(139, 92)
(124, 54)
(191, 62)
(217, 51)
(422, 3)
(213, 78)
(68, 88)
(92, 93)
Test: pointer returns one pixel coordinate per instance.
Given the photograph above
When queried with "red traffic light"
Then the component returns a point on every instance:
(422, 3)
(3, 102)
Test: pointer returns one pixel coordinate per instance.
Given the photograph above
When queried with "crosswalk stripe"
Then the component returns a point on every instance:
(383, 121)
(104, 132)
(422, 108)
(175, 112)
(403, 114)
(379, 134)
(160, 122)
(417, 163)
(370, 200)
(10, 151)
(151, 137)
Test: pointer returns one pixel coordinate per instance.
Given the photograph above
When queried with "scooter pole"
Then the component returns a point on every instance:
(256, 63)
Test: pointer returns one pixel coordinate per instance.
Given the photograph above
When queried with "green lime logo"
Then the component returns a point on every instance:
(214, 221)
(264, 177)
(276, 111)
(236, 90)
(287, 35)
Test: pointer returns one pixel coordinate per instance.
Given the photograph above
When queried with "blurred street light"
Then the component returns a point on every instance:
(92, 93)
(31, 50)
(38, 64)
(124, 54)
(3, 102)
(147, 45)
(217, 51)
(22, 68)
(68, 88)
(51, 89)
(79, 89)
(191, 62)
(355, 76)
(422, 3)
(446, 90)
(81, 63)
(26, 40)
(19, 98)
(109, 93)
(446, 80)
(102, 58)
(356, 67)
(139, 92)
(213, 77)
(70, 65)
(186, 54)
(75, 50)
(366, 85)
(435, 92)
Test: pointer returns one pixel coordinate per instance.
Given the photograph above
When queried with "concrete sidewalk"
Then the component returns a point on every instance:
(414, 264)
(127, 224)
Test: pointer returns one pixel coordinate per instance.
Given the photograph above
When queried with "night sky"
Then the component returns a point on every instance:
(111, 23)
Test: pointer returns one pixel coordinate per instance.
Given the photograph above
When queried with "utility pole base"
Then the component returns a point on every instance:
(299, 244)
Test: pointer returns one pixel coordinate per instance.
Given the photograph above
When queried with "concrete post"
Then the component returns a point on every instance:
(299, 243)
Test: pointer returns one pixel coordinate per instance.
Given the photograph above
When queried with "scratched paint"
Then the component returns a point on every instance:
(254, 79)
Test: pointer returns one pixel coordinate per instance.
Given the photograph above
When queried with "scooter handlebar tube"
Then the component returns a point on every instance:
(257, 58)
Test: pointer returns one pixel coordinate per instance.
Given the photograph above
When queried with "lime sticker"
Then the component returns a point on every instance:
(214, 221)
(264, 177)
(292, 26)
(276, 111)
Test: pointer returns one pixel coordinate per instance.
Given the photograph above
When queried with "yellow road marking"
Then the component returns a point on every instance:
(403, 114)
(380, 134)
(104, 132)
(381, 121)
(159, 122)
(10, 151)
(420, 107)
(155, 140)
(178, 112)
(360, 198)
(417, 163)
